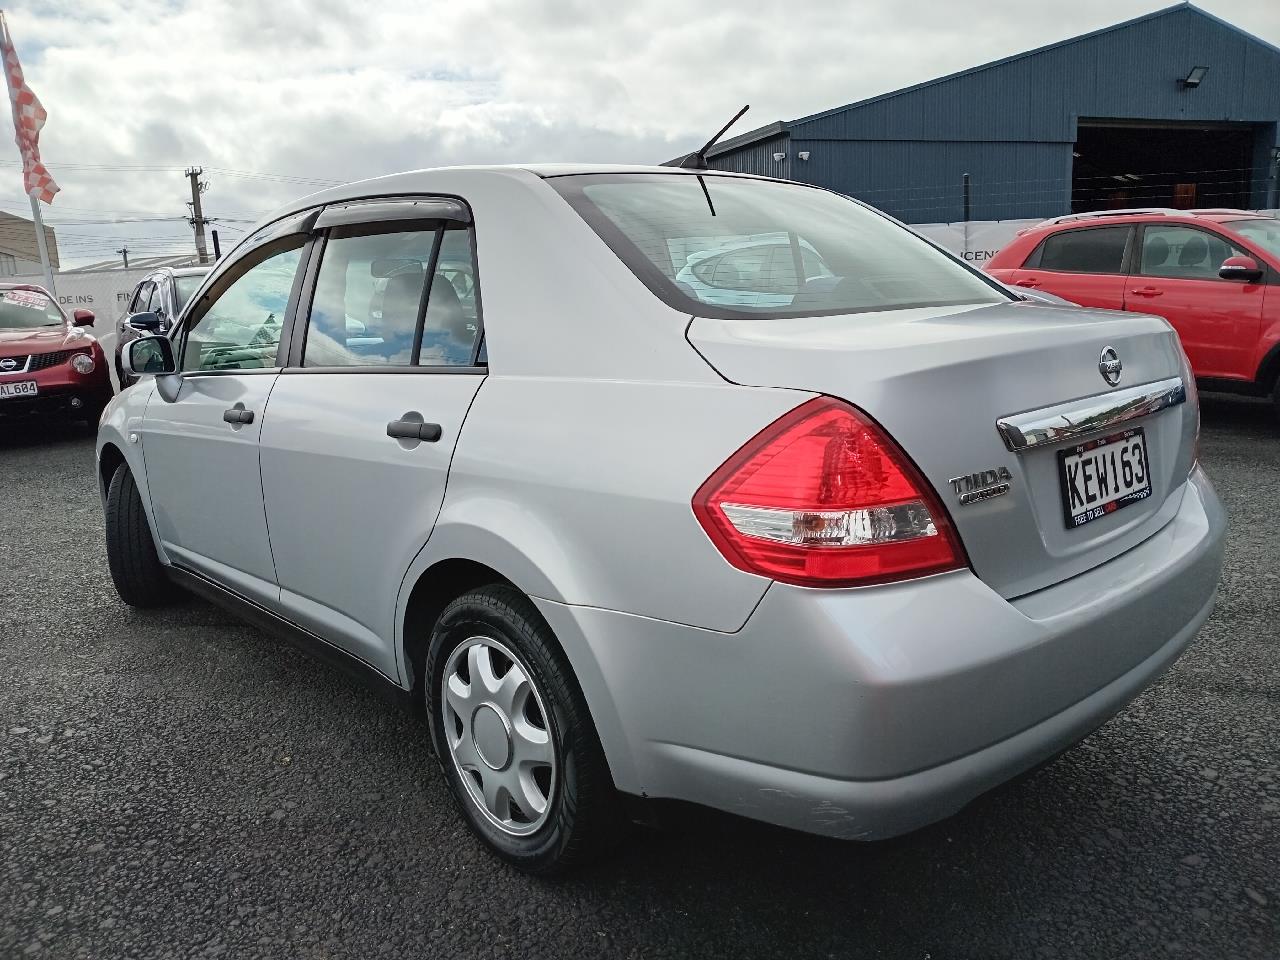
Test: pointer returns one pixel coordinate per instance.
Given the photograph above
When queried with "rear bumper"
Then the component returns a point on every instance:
(868, 713)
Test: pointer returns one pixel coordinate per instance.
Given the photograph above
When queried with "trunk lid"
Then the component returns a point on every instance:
(938, 380)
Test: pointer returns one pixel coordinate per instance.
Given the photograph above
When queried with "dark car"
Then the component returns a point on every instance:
(49, 364)
(163, 292)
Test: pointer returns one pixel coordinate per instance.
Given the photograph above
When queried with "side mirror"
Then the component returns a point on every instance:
(82, 318)
(148, 355)
(1240, 268)
(146, 321)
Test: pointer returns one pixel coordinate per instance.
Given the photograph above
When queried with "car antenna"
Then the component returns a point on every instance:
(698, 159)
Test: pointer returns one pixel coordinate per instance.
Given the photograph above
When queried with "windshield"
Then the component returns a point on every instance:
(721, 246)
(28, 309)
(183, 288)
(1265, 232)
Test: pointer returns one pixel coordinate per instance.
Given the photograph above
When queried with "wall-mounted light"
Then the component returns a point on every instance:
(803, 154)
(1194, 78)
(779, 157)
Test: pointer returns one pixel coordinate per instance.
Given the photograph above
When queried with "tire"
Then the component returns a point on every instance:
(136, 570)
(581, 818)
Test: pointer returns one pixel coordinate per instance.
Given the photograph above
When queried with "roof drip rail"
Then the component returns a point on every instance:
(1135, 211)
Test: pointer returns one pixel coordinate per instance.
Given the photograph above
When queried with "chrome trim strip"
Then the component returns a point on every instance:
(1078, 418)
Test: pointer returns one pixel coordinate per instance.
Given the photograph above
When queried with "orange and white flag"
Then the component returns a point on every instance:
(28, 117)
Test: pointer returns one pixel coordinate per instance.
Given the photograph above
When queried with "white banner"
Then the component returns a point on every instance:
(105, 292)
(975, 242)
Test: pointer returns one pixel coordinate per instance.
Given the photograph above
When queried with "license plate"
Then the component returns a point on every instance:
(24, 388)
(1101, 476)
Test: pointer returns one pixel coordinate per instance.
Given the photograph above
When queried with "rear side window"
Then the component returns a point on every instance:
(372, 290)
(1099, 250)
(721, 246)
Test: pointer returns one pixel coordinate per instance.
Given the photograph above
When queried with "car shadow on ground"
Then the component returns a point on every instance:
(1235, 414)
(25, 433)
(1089, 847)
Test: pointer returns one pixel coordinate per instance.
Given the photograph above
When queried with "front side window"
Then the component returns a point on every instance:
(240, 329)
(726, 246)
(1097, 250)
(1264, 231)
(369, 298)
(183, 288)
(1182, 253)
(142, 298)
(159, 297)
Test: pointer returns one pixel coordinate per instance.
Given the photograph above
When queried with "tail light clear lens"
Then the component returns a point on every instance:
(824, 498)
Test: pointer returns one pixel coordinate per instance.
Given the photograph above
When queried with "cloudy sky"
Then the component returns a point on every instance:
(274, 98)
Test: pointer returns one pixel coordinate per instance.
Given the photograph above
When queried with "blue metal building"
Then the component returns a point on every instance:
(1175, 108)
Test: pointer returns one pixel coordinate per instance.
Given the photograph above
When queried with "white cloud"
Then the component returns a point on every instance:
(333, 90)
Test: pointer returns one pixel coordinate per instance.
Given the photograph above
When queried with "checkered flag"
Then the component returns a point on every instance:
(28, 117)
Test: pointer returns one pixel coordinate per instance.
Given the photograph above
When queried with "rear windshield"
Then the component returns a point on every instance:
(1265, 232)
(720, 246)
(28, 309)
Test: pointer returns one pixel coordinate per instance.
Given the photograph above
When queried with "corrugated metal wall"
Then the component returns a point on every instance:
(1012, 125)
(757, 158)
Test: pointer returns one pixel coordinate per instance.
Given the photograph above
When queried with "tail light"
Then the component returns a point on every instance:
(824, 498)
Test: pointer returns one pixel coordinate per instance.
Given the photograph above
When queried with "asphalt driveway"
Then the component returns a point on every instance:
(176, 784)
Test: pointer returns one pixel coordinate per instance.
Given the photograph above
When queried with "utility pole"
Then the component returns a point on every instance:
(124, 252)
(197, 219)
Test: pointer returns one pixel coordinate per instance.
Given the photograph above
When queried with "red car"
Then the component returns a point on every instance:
(1213, 274)
(49, 364)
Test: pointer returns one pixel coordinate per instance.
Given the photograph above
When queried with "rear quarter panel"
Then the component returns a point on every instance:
(580, 491)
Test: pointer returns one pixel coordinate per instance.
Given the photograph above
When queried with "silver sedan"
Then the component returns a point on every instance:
(841, 553)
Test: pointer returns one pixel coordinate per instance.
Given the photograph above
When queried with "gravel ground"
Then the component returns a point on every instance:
(176, 784)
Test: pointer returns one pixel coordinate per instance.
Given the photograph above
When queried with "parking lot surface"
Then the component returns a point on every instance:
(177, 784)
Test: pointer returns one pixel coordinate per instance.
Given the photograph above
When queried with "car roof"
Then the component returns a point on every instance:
(34, 287)
(190, 271)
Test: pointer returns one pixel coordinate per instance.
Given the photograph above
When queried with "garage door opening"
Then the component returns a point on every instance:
(1121, 164)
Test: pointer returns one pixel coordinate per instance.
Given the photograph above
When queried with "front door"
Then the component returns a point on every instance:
(363, 423)
(1217, 320)
(201, 429)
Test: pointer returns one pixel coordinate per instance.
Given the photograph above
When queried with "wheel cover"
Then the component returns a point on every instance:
(496, 730)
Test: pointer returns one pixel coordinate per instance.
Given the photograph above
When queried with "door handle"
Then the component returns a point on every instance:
(1147, 292)
(1026, 283)
(413, 430)
(237, 415)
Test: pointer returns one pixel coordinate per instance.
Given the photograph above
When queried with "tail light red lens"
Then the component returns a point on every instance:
(824, 498)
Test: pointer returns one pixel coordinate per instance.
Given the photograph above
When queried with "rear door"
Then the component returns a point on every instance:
(363, 422)
(201, 430)
(1218, 321)
(1086, 265)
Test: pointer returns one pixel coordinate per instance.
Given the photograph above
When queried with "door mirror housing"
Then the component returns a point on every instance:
(82, 318)
(1240, 268)
(152, 355)
(146, 321)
